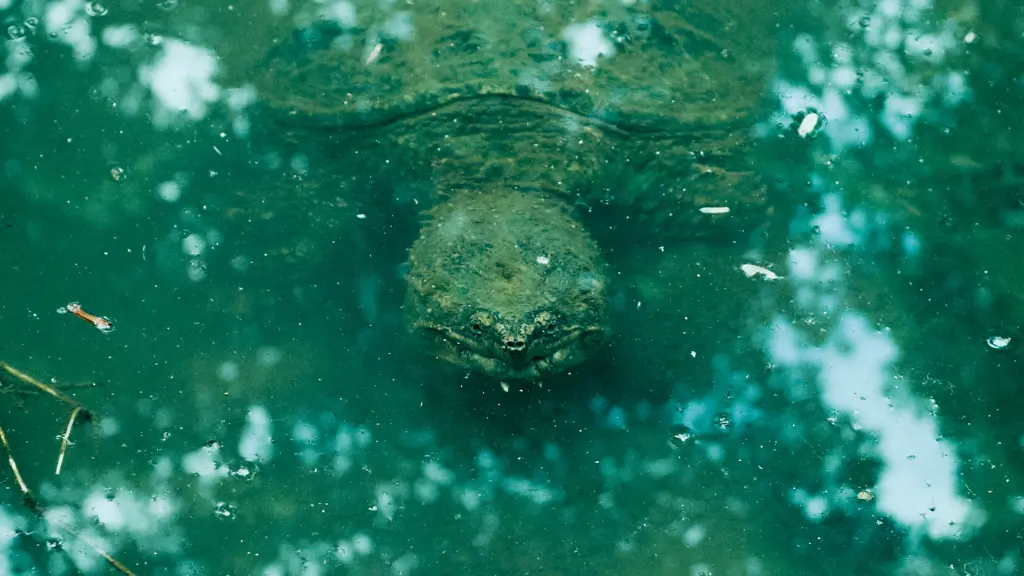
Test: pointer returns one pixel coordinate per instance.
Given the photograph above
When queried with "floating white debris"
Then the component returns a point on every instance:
(225, 510)
(361, 216)
(997, 342)
(753, 270)
(374, 53)
(970, 37)
(810, 123)
(679, 436)
(543, 260)
(714, 210)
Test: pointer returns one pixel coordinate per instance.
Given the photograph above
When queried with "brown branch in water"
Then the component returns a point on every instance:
(22, 391)
(30, 501)
(33, 382)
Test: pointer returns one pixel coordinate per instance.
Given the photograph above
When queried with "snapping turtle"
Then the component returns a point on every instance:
(514, 127)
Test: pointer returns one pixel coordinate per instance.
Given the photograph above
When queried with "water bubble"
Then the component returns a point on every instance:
(117, 173)
(225, 510)
(32, 23)
(16, 32)
(679, 436)
(96, 8)
(996, 342)
(723, 423)
(865, 21)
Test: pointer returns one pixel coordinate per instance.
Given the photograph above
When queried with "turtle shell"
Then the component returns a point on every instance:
(537, 94)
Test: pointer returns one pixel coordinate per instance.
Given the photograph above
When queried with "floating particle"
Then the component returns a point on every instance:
(374, 53)
(714, 210)
(101, 323)
(998, 342)
(96, 8)
(865, 496)
(504, 386)
(361, 216)
(970, 37)
(809, 123)
(244, 472)
(723, 423)
(679, 436)
(543, 260)
(753, 270)
(117, 173)
(225, 510)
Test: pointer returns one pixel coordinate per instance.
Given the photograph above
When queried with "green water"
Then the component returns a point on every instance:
(258, 409)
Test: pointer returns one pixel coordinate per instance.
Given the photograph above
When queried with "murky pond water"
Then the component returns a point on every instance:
(808, 219)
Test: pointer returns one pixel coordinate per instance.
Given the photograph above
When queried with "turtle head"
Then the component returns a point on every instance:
(509, 285)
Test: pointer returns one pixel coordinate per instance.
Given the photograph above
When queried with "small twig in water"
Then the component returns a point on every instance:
(14, 465)
(30, 501)
(64, 441)
(32, 381)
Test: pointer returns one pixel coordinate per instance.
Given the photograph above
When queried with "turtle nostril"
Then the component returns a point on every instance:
(515, 344)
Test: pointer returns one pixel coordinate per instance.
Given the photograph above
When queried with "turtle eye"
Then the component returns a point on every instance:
(545, 323)
(479, 323)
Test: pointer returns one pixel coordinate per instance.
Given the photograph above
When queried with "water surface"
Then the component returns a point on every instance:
(839, 393)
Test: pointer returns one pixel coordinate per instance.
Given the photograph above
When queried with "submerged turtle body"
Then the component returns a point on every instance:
(512, 124)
